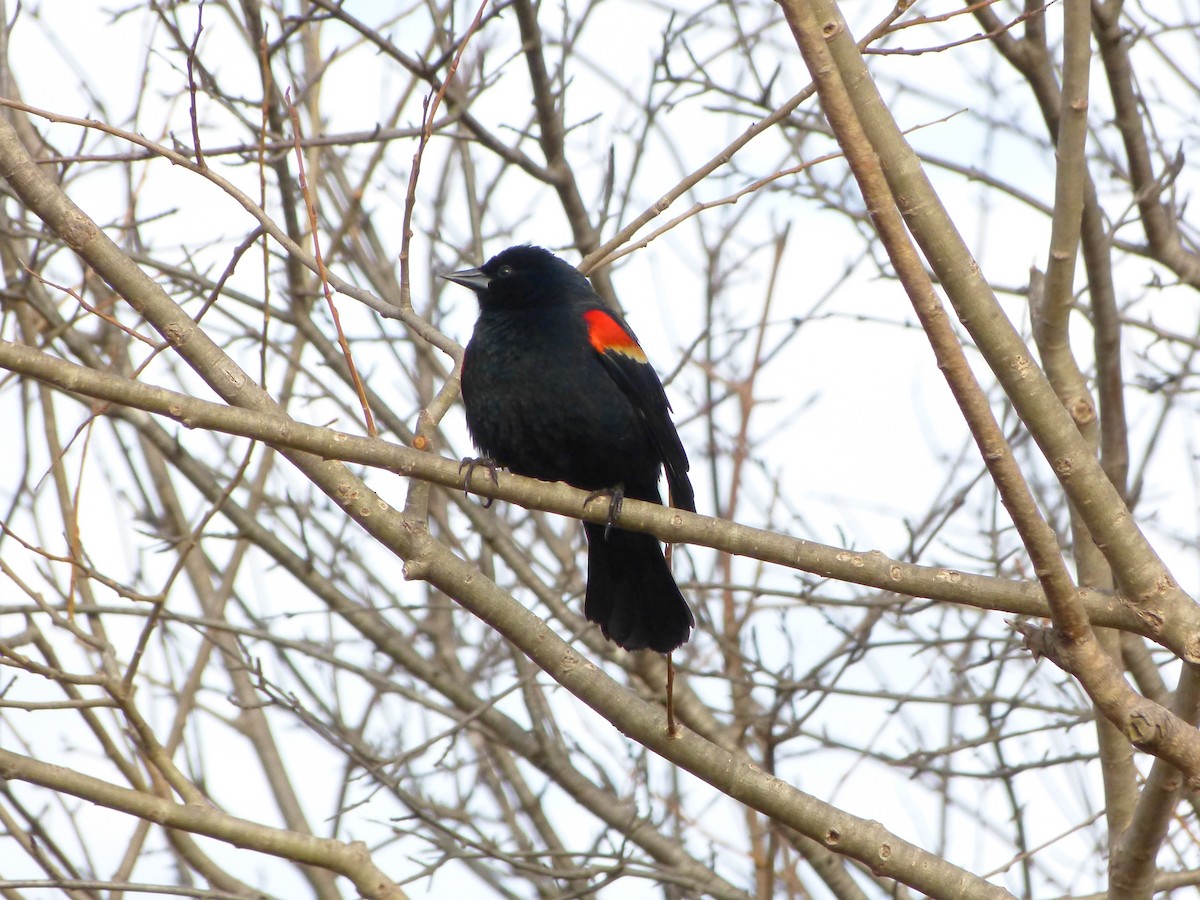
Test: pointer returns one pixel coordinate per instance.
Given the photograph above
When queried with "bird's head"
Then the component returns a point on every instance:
(523, 276)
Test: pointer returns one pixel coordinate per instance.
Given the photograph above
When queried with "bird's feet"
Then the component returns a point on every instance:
(616, 496)
(471, 463)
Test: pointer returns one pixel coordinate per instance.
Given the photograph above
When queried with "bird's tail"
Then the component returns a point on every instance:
(631, 594)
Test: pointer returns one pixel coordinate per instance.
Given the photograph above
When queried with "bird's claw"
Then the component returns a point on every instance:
(616, 497)
(471, 463)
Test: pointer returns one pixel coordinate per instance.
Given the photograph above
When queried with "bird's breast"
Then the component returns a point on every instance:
(539, 401)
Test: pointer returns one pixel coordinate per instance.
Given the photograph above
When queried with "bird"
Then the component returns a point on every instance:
(556, 386)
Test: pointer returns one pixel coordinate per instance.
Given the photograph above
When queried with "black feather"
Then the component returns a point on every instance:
(556, 387)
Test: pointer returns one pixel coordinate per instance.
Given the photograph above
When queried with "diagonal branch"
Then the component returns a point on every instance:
(1146, 724)
(1143, 577)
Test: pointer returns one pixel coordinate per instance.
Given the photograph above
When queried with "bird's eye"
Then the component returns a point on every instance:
(504, 271)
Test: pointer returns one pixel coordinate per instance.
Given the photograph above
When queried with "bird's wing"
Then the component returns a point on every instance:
(626, 363)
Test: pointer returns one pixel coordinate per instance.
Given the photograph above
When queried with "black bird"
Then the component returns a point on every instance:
(556, 387)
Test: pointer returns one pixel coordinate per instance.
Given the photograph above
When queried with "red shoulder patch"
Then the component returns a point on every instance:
(607, 336)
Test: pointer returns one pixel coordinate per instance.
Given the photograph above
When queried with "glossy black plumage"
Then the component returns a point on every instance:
(556, 387)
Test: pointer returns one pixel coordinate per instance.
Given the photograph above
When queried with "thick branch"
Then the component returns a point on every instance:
(351, 860)
(870, 569)
(1142, 575)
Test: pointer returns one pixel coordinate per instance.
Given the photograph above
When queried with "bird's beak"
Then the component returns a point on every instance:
(475, 279)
